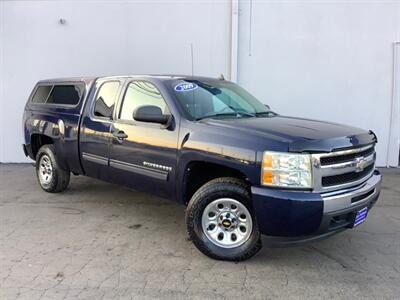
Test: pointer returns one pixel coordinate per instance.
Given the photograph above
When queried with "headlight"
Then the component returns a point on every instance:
(286, 170)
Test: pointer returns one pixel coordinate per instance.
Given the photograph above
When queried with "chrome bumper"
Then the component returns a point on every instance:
(352, 197)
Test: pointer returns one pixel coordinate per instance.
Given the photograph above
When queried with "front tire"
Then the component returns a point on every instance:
(220, 220)
(50, 176)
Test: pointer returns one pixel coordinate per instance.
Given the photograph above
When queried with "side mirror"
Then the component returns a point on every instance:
(267, 106)
(150, 114)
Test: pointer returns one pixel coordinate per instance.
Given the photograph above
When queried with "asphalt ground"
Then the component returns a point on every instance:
(101, 241)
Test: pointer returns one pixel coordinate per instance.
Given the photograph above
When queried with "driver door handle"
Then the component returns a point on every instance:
(120, 135)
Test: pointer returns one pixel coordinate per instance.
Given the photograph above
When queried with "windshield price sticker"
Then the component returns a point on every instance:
(187, 86)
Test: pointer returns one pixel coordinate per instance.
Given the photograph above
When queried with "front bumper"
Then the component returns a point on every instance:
(306, 215)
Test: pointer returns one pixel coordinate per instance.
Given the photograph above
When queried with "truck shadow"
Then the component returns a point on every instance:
(142, 211)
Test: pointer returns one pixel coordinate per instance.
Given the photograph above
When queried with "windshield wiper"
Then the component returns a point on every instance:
(270, 112)
(216, 115)
(237, 113)
(242, 112)
(245, 113)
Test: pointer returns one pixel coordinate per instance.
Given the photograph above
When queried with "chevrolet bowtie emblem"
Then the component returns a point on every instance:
(226, 223)
(361, 163)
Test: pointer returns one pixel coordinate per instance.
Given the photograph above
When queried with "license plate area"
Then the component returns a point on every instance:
(361, 215)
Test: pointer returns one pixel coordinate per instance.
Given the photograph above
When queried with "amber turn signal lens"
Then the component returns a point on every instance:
(268, 161)
(267, 177)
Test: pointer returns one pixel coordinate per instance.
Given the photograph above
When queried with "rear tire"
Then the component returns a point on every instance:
(220, 221)
(50, 176)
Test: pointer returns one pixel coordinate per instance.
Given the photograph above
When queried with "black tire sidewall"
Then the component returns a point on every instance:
(201, 241)
(49, 151)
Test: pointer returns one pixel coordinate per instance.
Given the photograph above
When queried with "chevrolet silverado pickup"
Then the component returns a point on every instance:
(242, 170)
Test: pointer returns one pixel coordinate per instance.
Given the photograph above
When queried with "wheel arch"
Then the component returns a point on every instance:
(38, 140)
(198, 172)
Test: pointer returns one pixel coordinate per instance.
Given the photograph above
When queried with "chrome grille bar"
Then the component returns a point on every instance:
(356, 163)
(346, 167)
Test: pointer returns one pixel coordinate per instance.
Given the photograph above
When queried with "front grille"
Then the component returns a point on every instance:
(346, 177)
(343, 168)
(330, 160)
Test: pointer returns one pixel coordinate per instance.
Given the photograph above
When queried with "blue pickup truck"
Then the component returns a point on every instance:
(242, 170)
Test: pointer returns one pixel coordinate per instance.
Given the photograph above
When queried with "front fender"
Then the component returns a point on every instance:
(201, 146)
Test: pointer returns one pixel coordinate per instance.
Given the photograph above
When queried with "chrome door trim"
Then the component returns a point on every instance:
(95, 158)
(157, 174)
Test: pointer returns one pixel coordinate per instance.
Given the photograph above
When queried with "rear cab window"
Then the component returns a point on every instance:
(105, 99)
(41, 94)
(59, 94)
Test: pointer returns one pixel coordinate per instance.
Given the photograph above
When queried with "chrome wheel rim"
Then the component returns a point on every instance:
(227, 223)
(45, 170)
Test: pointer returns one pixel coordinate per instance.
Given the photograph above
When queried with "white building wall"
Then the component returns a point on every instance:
(102, 38)
(327, 60)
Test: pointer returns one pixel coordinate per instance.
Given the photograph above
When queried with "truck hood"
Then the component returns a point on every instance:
(301, 135)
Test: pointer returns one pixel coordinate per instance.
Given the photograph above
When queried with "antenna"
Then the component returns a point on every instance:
(193, 96)
(191, 56)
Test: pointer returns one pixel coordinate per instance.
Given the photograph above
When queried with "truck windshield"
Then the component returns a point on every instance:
(202, 99)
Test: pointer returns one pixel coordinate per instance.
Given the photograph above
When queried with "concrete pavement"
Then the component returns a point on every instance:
(102, 241)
